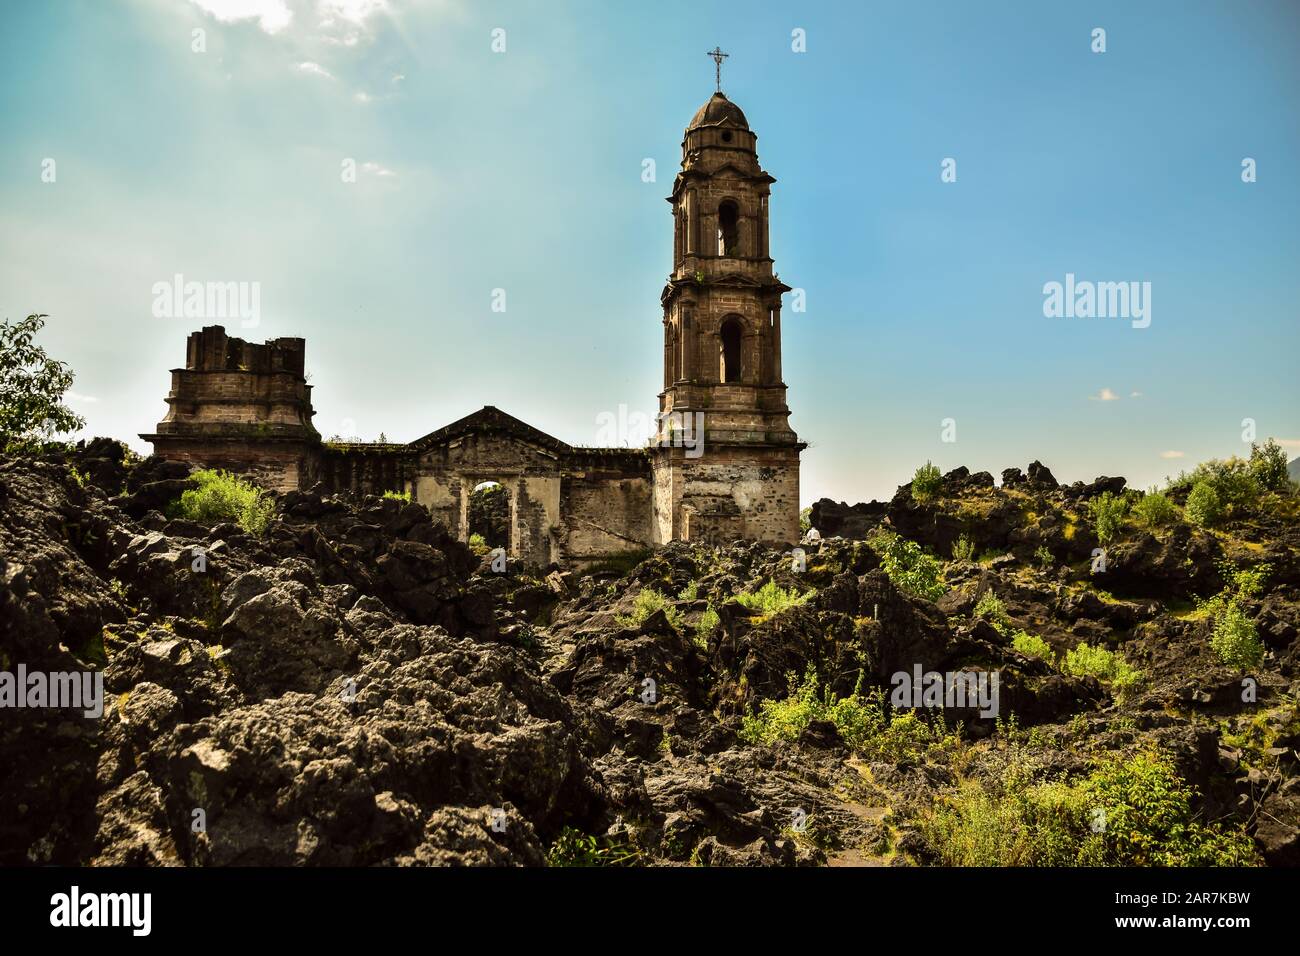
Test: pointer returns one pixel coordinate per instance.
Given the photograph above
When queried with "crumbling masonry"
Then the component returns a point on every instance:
(246, 407)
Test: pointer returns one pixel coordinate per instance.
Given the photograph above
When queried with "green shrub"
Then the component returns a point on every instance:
(1130, 811)
(1148, 820)
(1039, 826)
(1247, 582)
(1236, 640)
(785, 719)
(478, 544)
(1043, 555)
(705, 626)
(399, 496)
(990, 608)
(863, 721)
(859, 719)
(220, 497)
(909, 737)
(1031, 645)
(1235, 488)
(963, 549)
(1204, 509)
(1107, 511)
(1155, 509)
(908, 567)
(575, 848)
(772, 599)
(1268, 466)
(926, 482)
(646, 602)
(1091, 660)
(805, 521)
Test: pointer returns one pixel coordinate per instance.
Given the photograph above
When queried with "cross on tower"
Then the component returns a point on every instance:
(718, 57)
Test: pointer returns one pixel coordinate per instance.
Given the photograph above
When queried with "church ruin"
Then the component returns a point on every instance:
(246, 407)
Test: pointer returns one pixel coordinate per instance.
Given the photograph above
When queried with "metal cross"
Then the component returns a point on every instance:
(718, 57)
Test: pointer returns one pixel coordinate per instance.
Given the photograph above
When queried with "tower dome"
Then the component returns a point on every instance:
(719, 111)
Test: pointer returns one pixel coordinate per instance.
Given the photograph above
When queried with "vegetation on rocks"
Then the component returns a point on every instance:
(1088, 660)
(1204, 507)
(771, 599)
(1235, 638)
(353, 686)
(908, 566)
(218, 496)
(926, 482)
(1155, 510)
(1107, 511)
(1130, 811)
(647, 602)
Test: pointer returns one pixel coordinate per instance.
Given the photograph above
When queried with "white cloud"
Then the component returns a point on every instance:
(1173, 454)
(375, 169)
(316, 69)
(271, 15)
(361, 96)
(352, 11)
(78, 397)
(1135, 394)
(1105, 395)
(1288, 442)
(398, 77)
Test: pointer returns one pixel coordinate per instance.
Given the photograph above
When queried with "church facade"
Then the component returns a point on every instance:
(724, 464)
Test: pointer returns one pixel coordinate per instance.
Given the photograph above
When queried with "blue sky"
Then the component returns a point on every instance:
(522, 170)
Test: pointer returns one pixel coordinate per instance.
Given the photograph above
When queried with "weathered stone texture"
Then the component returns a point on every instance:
(242, 406)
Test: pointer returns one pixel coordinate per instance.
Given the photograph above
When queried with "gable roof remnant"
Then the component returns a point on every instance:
(490, 420)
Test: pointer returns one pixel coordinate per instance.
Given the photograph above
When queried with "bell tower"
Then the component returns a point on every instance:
(727, 460)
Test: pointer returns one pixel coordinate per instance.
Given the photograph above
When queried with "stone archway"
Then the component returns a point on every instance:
(489, 516)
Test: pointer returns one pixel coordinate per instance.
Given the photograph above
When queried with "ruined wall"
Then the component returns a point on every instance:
(445, 474)
(606, 504)
(241, 406)
(440, 493)
(362, 468)
(275, 466)
(730, 492)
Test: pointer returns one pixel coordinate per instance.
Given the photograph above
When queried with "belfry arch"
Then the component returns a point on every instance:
(731, 349)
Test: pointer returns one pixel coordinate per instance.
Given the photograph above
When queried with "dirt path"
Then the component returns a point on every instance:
(873, 817)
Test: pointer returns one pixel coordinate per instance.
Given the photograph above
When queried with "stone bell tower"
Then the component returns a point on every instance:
(726, 461)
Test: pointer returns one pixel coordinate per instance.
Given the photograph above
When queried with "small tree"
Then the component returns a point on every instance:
(32, 386)
(926, 482)
(907, 566)
(1203, 507)
(1268, 465)
(1108, 512)
(1155, 509)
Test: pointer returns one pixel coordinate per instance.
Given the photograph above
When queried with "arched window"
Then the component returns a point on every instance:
(728, 228)
(732, 334)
